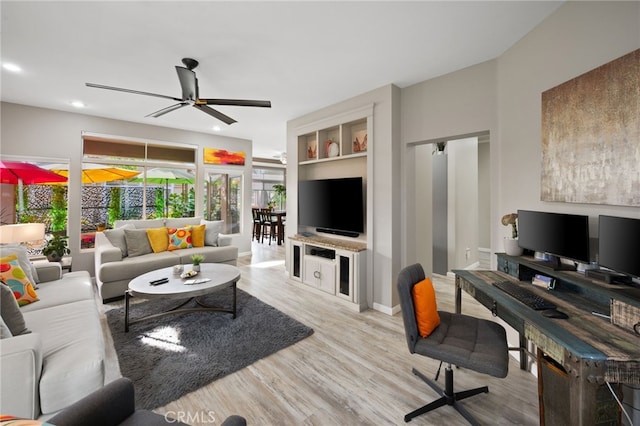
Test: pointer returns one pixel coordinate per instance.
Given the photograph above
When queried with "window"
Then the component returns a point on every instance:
(223, 199)
(31, 198)
(134, 180)
(263, 193)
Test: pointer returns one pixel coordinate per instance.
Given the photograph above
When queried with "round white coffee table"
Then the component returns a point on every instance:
(219, 275)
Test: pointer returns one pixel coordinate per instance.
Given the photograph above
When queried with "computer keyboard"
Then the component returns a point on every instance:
(524, 295)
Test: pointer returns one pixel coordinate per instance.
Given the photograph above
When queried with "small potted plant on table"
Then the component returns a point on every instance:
(196, 260)
(55, 248)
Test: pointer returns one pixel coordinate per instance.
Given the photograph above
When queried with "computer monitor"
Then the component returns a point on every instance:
(619, 244)
(560, 235)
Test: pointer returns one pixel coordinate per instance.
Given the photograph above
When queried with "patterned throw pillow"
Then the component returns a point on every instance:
(15, 277)
(179, 238)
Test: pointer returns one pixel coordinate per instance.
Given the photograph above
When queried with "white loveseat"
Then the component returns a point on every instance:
(118, 259)
(56, 357)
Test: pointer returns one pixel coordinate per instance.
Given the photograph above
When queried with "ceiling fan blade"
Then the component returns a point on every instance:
(236, 102)
(188, 83)
(136, 92)
(163, 111)
(217, 114)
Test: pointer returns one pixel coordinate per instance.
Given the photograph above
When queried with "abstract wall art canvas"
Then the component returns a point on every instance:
(222, 156)
(591, 136)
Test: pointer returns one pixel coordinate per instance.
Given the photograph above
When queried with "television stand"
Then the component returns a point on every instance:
(330, 266)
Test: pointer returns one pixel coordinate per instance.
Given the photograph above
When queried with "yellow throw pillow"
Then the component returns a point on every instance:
(158, 239)
(197, 235)
(179, 238)
(15, 277)
(424, 303)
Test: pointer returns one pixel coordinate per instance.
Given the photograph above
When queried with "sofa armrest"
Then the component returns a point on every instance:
(110, 405)
(224, 240)
(21, 368)
(105, 252)
(48, 271)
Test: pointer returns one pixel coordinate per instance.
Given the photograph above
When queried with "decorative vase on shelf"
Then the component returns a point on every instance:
(511, 247)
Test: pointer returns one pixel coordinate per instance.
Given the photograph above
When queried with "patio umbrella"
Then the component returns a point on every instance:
(95, 173)
(161, 175)
(19, 173)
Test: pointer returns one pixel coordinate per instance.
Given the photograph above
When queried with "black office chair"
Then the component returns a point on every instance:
(462, 340)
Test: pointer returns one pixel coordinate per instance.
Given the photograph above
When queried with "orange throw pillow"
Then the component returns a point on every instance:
(424, 303)
(197, 235)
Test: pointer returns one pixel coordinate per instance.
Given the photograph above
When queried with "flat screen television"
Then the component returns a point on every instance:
(557, 234)
(618, 244)
(333, 206)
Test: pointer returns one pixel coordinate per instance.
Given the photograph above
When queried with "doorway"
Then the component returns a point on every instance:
(452, 183)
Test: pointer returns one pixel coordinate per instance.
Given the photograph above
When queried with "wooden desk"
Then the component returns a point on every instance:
(590, 349)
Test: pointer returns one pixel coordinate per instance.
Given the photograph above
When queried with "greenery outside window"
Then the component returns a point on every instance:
(223, 198)
(162, 183)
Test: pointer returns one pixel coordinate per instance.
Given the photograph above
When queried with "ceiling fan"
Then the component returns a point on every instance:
(190, 95)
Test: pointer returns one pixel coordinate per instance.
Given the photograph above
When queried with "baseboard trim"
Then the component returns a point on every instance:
(386, 309)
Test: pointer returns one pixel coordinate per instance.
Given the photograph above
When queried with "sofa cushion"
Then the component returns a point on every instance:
(73, 352)
(137, 242)
(139, 223)
(23, 258)
(182, 222)
(158, 238)
(131, 267)
(179, 238)
(5, 333)
(212, 230)
(197, 235)
(74, 287)
(117, 239)
(15, 277)
(211, 254)
(10, 312)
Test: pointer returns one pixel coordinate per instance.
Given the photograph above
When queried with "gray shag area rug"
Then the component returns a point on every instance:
(170, 356)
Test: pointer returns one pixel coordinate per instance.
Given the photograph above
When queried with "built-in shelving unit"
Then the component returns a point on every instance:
(346, 140)
(334, 147)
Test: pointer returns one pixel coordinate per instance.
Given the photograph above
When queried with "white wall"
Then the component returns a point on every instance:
(445, 108)
(577, 38)
(504, 97)
(43, 133)
(463, 202)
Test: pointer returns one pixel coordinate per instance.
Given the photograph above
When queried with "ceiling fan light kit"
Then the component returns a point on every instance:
(190, 95)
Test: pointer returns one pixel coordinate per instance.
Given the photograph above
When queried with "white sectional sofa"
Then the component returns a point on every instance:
(119, 259)
(59, 358)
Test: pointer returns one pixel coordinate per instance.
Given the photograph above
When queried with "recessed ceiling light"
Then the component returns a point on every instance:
(216, 128)
(78, 104)
(11, 67)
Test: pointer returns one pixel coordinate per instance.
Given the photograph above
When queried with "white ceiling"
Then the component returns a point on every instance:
(300, 55)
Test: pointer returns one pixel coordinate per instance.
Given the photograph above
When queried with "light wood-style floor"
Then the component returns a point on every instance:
(354, 370)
